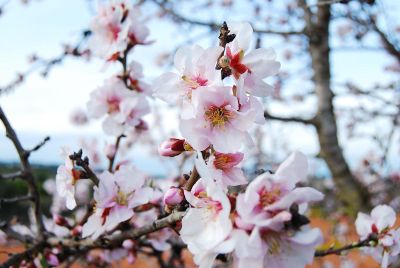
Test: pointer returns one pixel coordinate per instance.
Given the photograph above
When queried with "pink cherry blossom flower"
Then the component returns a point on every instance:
(207, 222)
(135, 78)
(107, 98)
(116, 196)
(276, 249)
(268, 198)
(216, 121)
(380, 224)
(255, 65)
(66, 178)
(132, 110)
(109, 32)
(137, 30)
(222, 168)
(196, 68)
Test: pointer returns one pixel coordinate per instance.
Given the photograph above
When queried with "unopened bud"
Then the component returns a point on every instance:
(77, 231)
(128, 244)
(60, 220)
(173, 196)
(172, 147)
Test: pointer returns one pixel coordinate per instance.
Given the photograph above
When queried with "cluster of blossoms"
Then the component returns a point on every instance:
(263, 225)
(379, 228)
(258, 223)
(116, 30)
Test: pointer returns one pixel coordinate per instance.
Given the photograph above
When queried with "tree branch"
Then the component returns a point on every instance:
(310, 121)
(214, 25)
(337, 251)
(26, 171)
(15, 199)
(28, 254)
(12, 176)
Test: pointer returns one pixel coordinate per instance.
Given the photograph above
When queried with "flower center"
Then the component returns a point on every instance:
(121, 198)
(114, 30)
(218, 116)
(269, 197)
(113, 104)
(194, 82)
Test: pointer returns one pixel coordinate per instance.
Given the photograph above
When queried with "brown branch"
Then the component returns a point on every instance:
(194, 177)
(26, 171)
(310, 121)
(112, 159)
(116, 239)
(214, 25)
(390, 46)
(15, 199)
(37, 147)
(338, 251)
(12, 176)
(28, 254)
(4, 226)
(84, 163)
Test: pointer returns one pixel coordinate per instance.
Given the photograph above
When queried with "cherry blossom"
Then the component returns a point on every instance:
(107, 98)
(116, 196)
(207, 221)
(124, 108)
(255, 65)
(268, 198)
(216, 121)
(66, 178)
(196, 69)
(109, 33)
(135, 79)
(222, 168)
(380, 224)
(276, 249)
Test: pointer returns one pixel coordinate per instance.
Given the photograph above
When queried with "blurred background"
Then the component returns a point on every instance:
(337, 97)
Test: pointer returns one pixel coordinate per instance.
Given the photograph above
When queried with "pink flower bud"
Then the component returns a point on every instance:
(173, 196)
(110, 150)
(128, 244)
(52, 260)
(171, 147)
(60, 220)
(77, 231)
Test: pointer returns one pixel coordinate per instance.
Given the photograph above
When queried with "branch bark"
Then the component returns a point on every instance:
(350, 192)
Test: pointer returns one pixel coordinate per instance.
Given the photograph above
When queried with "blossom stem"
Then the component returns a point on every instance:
(112, 159)
(338, 251)
(194, 177)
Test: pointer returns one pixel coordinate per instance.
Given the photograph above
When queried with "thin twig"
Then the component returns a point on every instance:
(338, 251)
(310, 121)
(12, 176)
(37, 147)
(15, 199)
(112, 159)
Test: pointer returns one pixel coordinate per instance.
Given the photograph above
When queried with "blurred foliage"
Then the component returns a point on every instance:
(18, 187)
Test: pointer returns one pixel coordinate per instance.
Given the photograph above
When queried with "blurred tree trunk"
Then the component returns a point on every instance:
(350, 191)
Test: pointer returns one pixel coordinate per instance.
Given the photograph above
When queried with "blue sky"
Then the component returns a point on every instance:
(41, 107)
